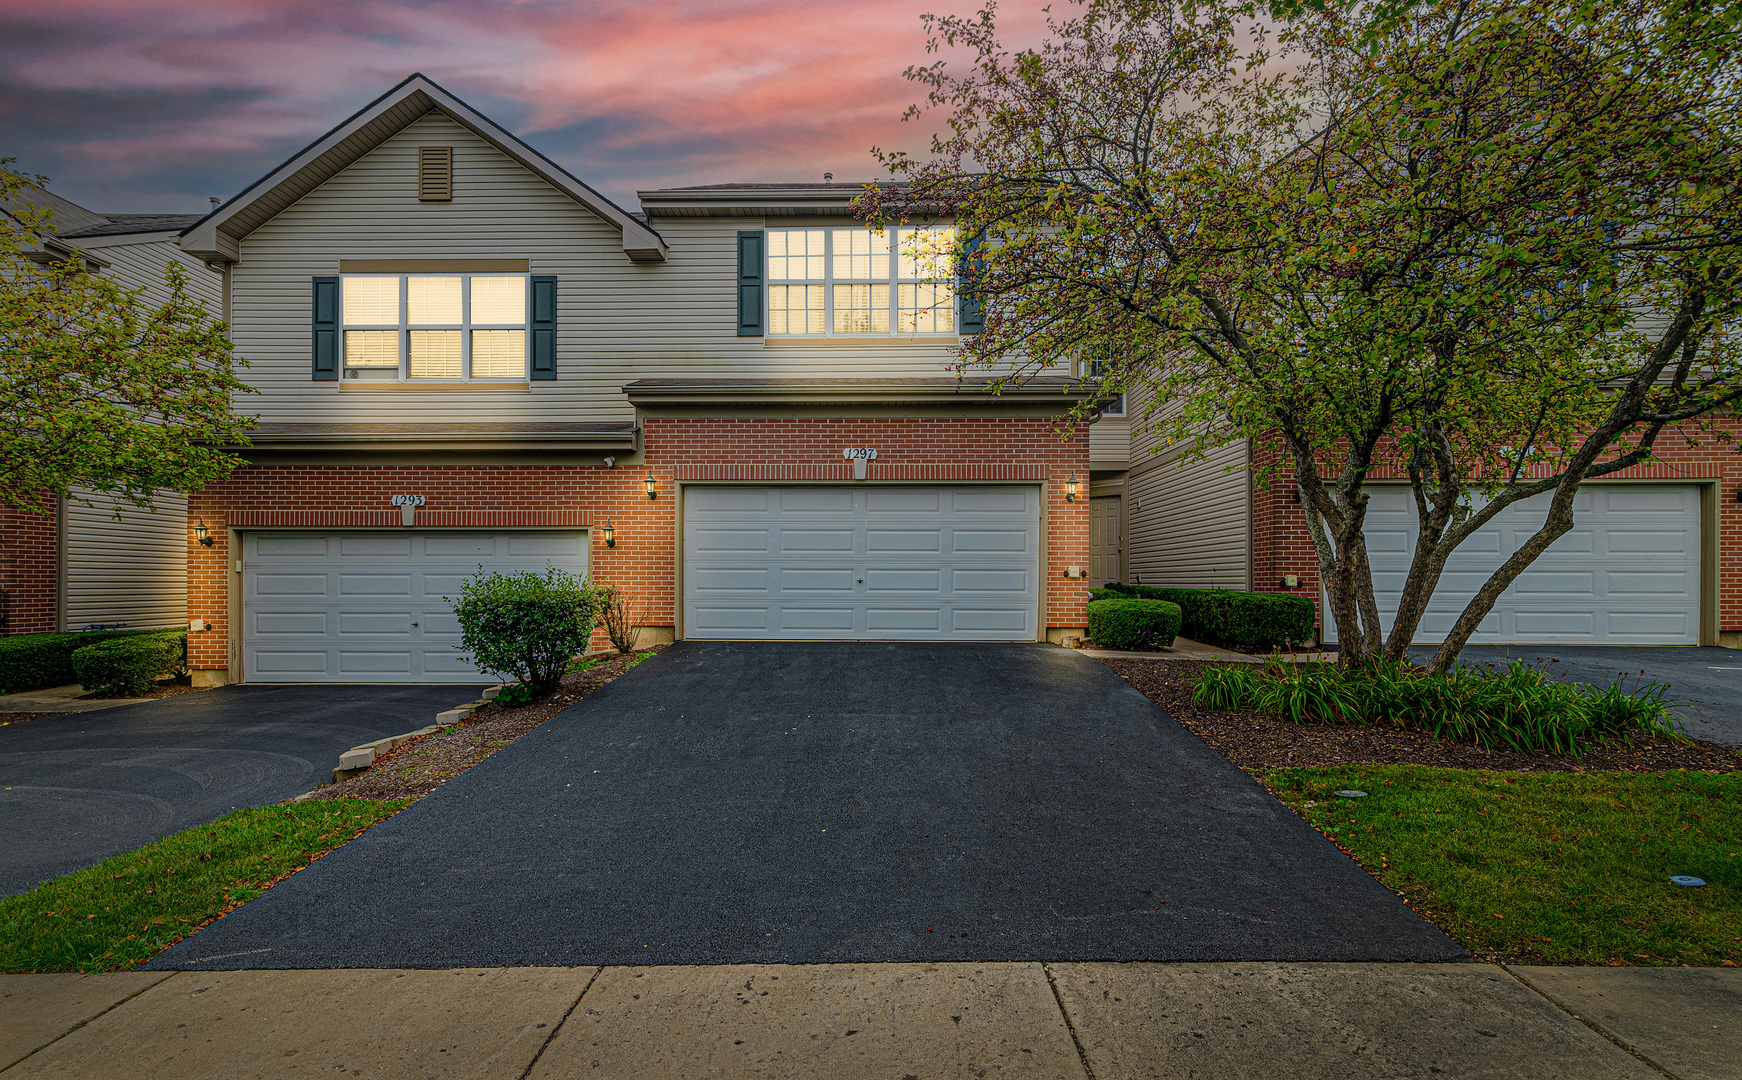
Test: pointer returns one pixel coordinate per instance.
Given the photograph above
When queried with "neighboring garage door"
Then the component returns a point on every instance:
(369, 606)
(865, 562)
(1627, 574)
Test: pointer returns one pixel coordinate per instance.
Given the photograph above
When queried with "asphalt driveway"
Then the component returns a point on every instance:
(77, 788)
(803, 803)
(1703, 682)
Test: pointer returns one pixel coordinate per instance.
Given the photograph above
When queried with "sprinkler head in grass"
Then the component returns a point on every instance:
(1349, 793)
(1690, 882)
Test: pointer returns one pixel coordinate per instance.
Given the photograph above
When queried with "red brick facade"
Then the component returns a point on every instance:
(1281, 545)
(644, 559)
(916, 449)
(28, 571)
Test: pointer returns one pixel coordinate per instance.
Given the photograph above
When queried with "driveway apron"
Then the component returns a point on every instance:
(731, 802)
(77, 788)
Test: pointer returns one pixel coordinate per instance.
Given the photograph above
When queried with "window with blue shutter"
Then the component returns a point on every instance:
(325, 366)
(750, 284)
(970, 305)
(543, 327)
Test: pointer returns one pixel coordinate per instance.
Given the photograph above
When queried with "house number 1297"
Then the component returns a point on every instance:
(859, 456)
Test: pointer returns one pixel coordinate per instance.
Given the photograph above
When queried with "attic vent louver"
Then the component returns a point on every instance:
(435, 173)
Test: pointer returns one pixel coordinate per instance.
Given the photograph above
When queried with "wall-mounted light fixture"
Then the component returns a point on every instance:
(203, 534)
(1071, 488)
(609, 534)
(652, 485)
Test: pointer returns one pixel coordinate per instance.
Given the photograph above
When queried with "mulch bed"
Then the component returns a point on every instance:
(1255, 741)
(414, 769)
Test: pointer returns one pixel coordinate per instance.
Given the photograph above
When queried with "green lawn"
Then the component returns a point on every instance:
(1566, 868)
(126, 909)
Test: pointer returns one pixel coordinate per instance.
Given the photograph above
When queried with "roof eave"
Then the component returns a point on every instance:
(966, 394)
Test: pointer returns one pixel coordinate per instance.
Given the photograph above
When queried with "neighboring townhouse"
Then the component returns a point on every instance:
(737, 404)
(1654, 558)
(96, 560)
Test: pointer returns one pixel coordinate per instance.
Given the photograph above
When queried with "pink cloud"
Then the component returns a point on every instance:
(683, 90)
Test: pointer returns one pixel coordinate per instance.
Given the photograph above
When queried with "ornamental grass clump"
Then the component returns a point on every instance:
(1512, 706)
(526, 626)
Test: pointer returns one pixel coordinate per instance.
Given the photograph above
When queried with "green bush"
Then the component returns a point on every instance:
(1133, 624)
(35, 661)
(1514, 706)
(130, 666)
(1248, 620)
(526, 626)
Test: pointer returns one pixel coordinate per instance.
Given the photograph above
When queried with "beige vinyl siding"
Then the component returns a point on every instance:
(617, 321)
(1146, 442)
(1190, 521)
(1110, 439)
(132, 571)
(143, 265)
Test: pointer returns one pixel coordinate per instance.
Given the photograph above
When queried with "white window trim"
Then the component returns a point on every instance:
(828, 282)
(465, 326)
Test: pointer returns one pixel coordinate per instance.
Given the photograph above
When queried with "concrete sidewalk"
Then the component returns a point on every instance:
(1083, 1021)
(63, 699)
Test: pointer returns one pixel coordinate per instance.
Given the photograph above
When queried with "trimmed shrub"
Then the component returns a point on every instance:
(526, 626)
(130, 666)
(1249, 620)
(35, 661)
(1133, 624)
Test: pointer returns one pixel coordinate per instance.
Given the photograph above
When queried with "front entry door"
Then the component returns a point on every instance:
(1106, 540)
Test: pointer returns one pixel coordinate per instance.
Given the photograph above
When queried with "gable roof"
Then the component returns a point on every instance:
(130, 224)
(752, 200)
(218, 234)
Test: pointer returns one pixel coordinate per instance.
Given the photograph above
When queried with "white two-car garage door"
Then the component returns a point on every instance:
(371, 606)
(862, 562)
(1627, 574)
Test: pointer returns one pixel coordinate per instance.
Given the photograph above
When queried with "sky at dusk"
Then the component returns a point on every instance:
(136, 107)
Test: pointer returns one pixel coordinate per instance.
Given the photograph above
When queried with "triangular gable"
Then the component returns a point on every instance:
(218, 234)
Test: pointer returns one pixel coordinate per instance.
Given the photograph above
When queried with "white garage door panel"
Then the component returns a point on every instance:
(369, 607)
(896, 563)
(1627, 573)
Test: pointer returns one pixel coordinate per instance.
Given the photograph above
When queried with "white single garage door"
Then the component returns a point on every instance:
(863, 562)
(1627, 574)
(369, 606)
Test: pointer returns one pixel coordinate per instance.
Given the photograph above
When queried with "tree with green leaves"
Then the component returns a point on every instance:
(1490, 245)
(98, 388)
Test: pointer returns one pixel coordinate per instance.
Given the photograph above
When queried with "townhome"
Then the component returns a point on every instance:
(1654, 558)
(95, 560)
(738, 404)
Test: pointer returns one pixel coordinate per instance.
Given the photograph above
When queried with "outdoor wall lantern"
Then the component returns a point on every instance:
(203, 534)
(1071, 489)
(609, 534)
(652, 485)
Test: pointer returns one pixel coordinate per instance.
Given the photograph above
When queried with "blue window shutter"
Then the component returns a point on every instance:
(544, 328)
(326, 330)
(750, 284)
(970, 305)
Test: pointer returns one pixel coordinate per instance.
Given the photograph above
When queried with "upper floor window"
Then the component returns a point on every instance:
(859, 281)
(449, 326)
(1114, 404)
